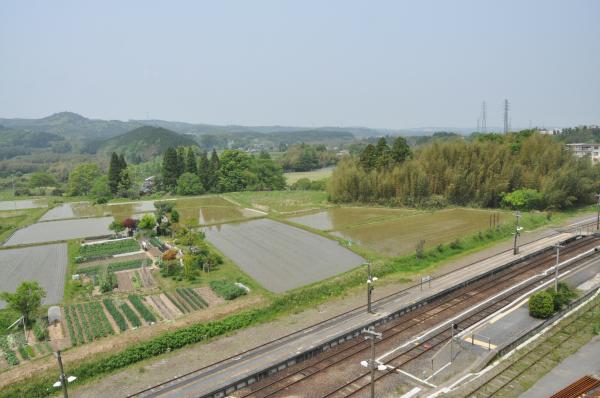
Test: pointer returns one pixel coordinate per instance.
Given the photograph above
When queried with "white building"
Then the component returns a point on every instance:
(551, 131)
(581, 150)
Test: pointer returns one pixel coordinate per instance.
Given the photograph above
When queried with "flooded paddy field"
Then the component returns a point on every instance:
(46, 264)
(280, 201)
(400, 236)
(22, 204)
(281, 257)
(342, 217)
(60, 230)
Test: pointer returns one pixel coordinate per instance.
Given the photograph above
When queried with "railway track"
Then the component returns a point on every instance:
(360, 383)
(537, 354)
(190, 377)
(410, 324)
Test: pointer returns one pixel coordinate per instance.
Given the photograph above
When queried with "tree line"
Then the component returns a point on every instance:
(480, 171)
(187, 173)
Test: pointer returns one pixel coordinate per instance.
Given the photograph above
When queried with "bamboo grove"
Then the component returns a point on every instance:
(479, 171)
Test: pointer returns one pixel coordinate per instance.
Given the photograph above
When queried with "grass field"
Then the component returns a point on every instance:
(10, 220)
(280, 201)
(312, 175)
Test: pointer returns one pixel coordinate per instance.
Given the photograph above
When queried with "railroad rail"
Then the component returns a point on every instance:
(414, 322)
(360, 383)
(533, 356)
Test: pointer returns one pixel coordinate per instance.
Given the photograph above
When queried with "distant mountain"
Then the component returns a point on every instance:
(15, 142)
(145, 142)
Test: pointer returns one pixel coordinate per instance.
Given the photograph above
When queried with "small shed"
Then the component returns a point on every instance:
(54, 314)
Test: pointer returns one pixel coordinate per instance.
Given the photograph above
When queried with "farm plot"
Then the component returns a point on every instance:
(342, 217)
(135, 279)
(400, 236)
(281, 257)
(46, 264)
(73, 210)
(93, 251)
(86, 322)
(163, 306)
(186, 300)
(22, 204)
(49, 231)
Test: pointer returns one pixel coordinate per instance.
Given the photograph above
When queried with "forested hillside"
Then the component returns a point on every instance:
(144, 143)
(478, 172)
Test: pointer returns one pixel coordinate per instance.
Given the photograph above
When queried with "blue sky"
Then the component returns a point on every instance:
(395, 64)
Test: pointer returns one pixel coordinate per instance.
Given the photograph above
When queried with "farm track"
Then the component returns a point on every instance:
(505, 379)
(407, 326)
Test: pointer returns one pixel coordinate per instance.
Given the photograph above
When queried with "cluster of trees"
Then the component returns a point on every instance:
(306, 157)
(186, 173)
(545, 303)
(587, 134)
(480, 172)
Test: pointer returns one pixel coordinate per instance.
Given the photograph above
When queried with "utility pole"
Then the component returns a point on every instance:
(453, 326)
(370, 287)
(557, 246)
(62, 378)
(517, 233)
(371, 334)
(506, 107)
(598, 217)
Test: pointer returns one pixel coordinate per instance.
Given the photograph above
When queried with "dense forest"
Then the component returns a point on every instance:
(487, 170)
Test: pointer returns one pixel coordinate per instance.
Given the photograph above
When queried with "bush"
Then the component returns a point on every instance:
(564, 296)
(170, 254)
(541, 305)
(524, 199)
(226, 289)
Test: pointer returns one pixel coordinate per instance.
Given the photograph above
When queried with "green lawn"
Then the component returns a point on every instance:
(280, 201)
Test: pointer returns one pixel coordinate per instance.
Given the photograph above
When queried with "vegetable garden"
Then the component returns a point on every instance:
(107, 249)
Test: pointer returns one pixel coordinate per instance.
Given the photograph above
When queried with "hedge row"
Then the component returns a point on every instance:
(116, 315)
(141, 308)
(133, 318)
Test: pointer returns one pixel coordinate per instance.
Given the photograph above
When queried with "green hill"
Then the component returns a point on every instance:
(146, 142)
(15, 142)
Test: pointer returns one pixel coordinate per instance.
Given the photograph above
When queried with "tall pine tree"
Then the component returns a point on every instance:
(190, 162)
(204, 170)
(180, 161)
(114, 173)
(213, 169)
(170, 171)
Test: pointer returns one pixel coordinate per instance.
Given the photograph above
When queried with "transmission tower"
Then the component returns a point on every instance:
(483, 118)
(506, 108)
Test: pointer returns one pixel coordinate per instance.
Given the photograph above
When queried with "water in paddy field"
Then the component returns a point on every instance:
(22, 204)
(394, 232)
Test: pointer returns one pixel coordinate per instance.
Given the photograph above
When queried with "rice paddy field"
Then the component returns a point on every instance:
(281, 257)
(51, 231)
(395, 232)
(281, 201)
(46, 264)
(22, 204)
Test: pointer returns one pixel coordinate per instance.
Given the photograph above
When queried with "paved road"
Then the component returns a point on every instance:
(223, 373)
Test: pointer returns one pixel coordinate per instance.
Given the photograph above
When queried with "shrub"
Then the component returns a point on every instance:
(226, 289)
(564, 296)
(541, 305)
(455, 244)
(170, 254)
(40, 330)
(9, 354)
(420, 249)
(524, 199)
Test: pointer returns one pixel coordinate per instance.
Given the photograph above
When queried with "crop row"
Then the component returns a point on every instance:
(113, 267)
(107, 249)
(89, 336)
(70, 328)
(79, 339)
(116, 315)
(180, 306)
(9, 354)
(192, 298)
(133, 318)
(141, 308)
